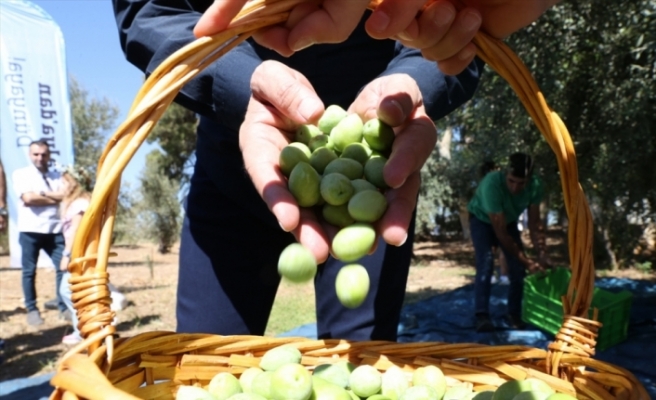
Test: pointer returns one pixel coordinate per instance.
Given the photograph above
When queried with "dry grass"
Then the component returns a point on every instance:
(33, 350)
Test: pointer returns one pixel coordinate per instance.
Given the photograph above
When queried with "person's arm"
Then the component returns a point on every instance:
(68, 246)
(538, 234)
(44, 197)
(25, 191)
(33, 199)
(56, 196)
(150, 31)
(499, 224)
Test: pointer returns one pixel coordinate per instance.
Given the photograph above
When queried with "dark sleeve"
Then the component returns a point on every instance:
(150, 31)
(441, 93)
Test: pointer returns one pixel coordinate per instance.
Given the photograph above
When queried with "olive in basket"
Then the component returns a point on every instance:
(291, 382)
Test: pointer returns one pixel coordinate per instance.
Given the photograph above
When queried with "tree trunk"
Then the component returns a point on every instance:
(544, 213)
(445, 144)
(563, 219)
(614, 265)
(463, 214)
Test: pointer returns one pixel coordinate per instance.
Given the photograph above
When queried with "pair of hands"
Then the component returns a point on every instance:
(442, 29)
(282, 99)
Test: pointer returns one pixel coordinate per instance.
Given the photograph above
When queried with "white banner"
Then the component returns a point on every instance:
(34, 102)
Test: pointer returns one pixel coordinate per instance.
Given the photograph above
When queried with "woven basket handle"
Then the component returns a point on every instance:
(93, 239)
(578, 333)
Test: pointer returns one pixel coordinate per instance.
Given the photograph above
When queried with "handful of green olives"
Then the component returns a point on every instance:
(336, 168)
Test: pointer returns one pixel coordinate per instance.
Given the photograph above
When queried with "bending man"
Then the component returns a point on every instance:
(501, 197)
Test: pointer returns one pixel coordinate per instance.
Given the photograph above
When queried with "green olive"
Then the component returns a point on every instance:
(362, 184)
(291, 155)
(321, 157)
(346, 166)
(331, 117)
(367, 206)
(353, 242)
(321, 141)
(337, 215)
(373, 171)
(347, 131)
(352, 286)
(336, 188)
(305, 133)
(356, 151)
(297, 263)
(378, 134)
(304, 184)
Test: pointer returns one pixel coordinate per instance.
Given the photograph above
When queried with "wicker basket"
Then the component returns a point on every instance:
(153, 365)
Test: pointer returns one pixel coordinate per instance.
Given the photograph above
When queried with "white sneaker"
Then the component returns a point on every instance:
(504, 280)
(119, 301)
(71, 339)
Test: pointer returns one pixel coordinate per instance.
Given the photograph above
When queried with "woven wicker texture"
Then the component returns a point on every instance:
(154, 364)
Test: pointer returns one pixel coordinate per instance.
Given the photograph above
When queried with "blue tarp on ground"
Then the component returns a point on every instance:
(447, 318)
(34, 388)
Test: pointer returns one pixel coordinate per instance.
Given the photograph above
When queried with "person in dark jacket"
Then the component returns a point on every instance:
(239, 215)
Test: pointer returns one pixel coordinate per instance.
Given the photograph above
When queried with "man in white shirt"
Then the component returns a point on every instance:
(39, 191)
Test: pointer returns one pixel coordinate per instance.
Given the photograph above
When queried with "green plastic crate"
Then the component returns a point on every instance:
(543, 307)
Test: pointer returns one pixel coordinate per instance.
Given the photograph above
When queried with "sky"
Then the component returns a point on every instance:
(95, 59)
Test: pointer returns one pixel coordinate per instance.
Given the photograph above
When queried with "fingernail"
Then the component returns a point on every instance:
(379, 21)
(307, 109)
(403, 241)
(399, 185)
(471, 21)
(396, 104)
(282, 227)
(302, 43)
(444, 14)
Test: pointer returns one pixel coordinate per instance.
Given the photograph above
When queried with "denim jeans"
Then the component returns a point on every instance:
(484, 238)
(66, 293)
(31, 243)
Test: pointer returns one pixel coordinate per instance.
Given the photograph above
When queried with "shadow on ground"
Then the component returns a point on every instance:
(136, 322)
(17, 364)
(5, 314)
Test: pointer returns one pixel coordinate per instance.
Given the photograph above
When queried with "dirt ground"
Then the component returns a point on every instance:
(149, 280)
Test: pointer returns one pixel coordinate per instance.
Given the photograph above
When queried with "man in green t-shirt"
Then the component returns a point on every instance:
(499, 200)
